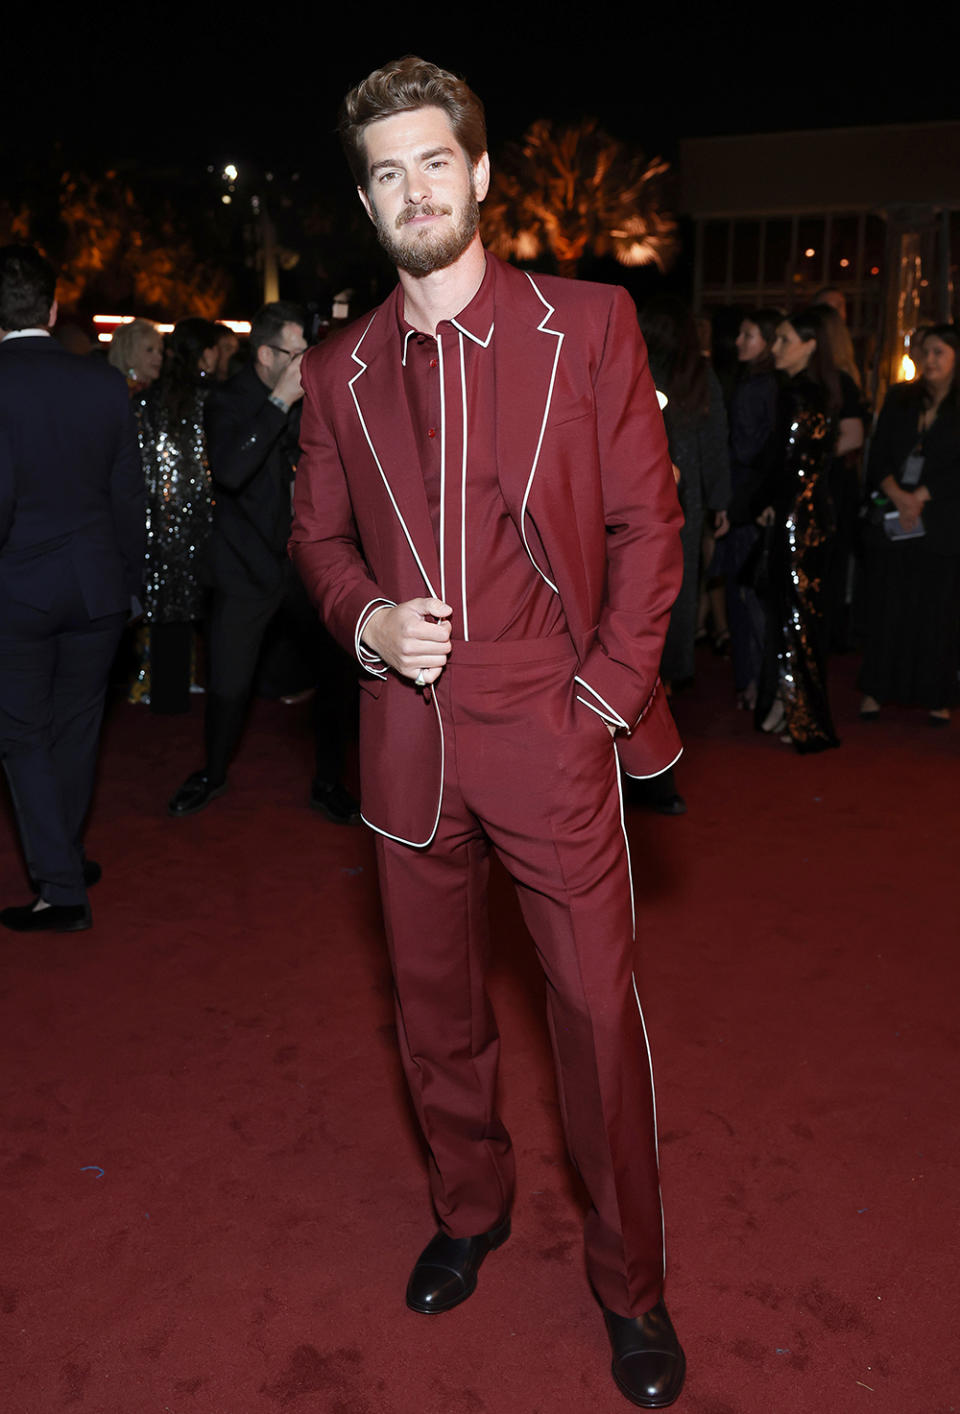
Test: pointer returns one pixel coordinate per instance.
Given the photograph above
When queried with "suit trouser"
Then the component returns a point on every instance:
(532, 774)
(54, 669)
(235, 634)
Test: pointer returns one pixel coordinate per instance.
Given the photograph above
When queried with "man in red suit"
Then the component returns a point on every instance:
(485, 514)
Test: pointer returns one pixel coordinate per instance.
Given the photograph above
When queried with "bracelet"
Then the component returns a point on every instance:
(278, 403)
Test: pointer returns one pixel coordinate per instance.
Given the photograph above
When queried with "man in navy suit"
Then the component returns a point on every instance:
(72, 534)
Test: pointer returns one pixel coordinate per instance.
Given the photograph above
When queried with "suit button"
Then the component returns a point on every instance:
(431, 432)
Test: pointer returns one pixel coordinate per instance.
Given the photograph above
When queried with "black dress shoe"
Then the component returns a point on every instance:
(335, 802)
(55, 918)
(196, 792)
(446, 1270)
(648, 1362)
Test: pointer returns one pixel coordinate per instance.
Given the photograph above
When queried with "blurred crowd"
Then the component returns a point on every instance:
(222, 611)
(812, 525)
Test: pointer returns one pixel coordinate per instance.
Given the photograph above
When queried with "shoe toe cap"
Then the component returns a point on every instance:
(651, 1378)
(437, 1288)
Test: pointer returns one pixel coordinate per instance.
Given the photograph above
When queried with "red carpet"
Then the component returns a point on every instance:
(211, 1188)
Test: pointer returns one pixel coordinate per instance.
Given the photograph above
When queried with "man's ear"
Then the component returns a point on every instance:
(53, 315)
(366, 204)
(481, 175)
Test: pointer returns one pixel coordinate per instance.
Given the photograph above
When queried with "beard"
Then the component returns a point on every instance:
(424, 251)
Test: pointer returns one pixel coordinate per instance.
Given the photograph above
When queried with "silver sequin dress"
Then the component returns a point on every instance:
(177, 474)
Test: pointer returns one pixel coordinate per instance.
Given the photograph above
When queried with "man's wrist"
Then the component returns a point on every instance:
(364, 640)
(366, 654)
(278, 403)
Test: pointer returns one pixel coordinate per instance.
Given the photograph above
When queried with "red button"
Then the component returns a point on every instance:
(433, 363)
(431, 432)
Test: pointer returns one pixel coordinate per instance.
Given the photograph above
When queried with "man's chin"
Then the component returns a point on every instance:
(427, 259)
(426, 249)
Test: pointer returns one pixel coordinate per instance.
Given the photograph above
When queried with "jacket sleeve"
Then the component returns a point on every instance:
(324, 543)
(643, 519)
(128, 498)
(715, 450)
(7, 489)
(892, 438)
(238, 444)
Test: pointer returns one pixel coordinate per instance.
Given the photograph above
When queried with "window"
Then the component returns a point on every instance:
(715, 238)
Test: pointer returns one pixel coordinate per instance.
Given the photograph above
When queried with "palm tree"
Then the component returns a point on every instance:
(569, 190)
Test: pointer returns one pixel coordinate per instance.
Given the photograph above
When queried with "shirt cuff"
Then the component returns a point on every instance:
(368, 660)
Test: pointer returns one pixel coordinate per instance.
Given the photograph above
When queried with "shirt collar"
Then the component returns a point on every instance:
(27, 334)
(475, 320)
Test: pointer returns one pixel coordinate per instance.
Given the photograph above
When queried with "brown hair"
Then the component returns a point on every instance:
(676, 360)
(813, 323)
(401, 87)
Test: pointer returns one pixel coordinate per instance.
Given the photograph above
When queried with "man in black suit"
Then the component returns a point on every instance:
(72, 538)
(252, 425)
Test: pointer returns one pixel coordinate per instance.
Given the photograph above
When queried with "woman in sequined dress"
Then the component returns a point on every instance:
(173, 448)
(796, 503)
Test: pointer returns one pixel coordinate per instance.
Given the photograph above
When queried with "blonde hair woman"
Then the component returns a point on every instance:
(137, 350)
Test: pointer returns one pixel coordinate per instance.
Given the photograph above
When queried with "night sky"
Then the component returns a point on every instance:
(166, 96)
(176, 87)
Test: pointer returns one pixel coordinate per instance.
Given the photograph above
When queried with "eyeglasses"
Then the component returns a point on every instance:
(290, 353)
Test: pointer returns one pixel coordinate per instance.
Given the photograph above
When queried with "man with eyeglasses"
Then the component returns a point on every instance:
(252, 424)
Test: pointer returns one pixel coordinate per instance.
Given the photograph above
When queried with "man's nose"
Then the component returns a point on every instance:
(418, 189)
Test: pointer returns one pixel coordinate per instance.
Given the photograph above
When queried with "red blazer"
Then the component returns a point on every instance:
(581, 449)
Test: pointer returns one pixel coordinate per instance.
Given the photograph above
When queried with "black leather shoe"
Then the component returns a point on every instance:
(648, 1362)
(195, 793)
(446, 1270)
(335, 802)
(55, 918)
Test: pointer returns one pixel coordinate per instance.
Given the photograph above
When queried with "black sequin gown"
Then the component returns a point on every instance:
(179, 511)
(174, 452)
(797, 488)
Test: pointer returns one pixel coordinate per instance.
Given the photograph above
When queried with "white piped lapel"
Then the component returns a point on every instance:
(527, 352)
(382, 411)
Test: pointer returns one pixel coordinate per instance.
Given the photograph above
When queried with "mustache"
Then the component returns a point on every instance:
(410, 213)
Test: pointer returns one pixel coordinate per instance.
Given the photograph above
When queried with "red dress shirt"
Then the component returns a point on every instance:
(486, 574)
